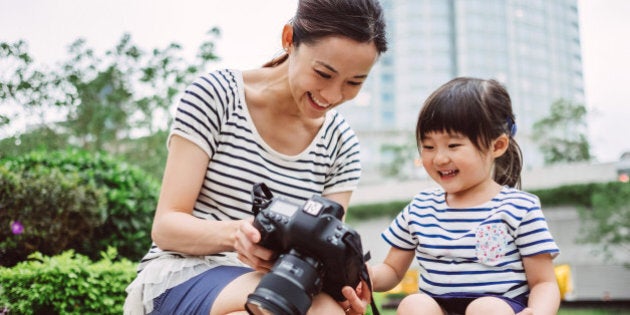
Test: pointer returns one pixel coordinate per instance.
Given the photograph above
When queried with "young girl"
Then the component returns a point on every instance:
(482, 245)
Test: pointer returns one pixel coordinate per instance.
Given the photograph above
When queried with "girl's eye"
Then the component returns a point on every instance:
(354, 83)
(454, 145)
(427, 147)
(323, 74)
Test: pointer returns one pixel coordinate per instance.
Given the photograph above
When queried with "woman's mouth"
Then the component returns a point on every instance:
(317, 102)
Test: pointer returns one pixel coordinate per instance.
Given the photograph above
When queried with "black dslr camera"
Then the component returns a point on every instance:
(318, 252)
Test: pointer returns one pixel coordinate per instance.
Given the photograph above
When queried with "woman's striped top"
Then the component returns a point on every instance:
(214, 115)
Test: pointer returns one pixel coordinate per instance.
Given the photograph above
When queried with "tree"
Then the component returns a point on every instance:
(561, 135)
(399, 159)
(100, 101)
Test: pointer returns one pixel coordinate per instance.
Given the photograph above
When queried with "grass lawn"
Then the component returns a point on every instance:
(563, 310)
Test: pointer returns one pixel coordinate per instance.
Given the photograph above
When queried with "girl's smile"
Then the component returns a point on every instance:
(455, 163)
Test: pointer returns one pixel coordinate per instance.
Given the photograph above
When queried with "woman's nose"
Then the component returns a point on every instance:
(333, 94)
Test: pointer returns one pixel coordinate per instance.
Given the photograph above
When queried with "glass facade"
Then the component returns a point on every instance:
(531, 46)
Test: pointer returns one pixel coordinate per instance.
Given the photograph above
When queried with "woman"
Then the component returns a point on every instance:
(233, 129)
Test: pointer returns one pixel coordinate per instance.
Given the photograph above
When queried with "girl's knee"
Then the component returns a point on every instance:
(489, 305)
(413, 303)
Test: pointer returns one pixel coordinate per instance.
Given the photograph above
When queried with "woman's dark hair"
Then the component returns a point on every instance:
(360, 20)
(482, 111)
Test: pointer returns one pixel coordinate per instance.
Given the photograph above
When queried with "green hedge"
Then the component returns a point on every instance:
(103, 202)
(50, 212)
(581, 195)
(66, 284)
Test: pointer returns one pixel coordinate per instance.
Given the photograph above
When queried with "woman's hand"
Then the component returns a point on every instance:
(256, 256)
(357, 299)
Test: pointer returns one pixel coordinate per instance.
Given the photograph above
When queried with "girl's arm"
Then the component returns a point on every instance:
(544, 297)
(391, 271)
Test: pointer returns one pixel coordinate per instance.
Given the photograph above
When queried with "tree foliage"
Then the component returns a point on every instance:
(96, 101)
(561, 135)
(399, 159)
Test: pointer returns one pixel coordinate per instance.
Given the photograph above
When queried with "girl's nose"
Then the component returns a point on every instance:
(441, 158)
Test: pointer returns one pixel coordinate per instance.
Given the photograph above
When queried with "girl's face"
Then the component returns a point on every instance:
(326, 74)
(455, 163)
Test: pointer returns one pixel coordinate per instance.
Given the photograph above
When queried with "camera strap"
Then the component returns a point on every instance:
(261, 197)
(365, 275)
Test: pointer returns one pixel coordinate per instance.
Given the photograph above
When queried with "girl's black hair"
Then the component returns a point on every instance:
(482, 111)
(360, 20)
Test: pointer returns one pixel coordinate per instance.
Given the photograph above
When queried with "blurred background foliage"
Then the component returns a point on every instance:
(117, 101)
(74, 199)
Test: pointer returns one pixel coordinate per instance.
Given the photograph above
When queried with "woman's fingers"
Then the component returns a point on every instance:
(249, 252)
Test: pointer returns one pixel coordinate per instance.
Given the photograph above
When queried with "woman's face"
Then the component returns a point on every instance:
(326, 74)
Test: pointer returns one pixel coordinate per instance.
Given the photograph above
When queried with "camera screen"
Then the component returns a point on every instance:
(284, 208)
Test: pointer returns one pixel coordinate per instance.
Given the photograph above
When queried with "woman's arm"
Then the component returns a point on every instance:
(342, 198)
(174, 227)
(544, 297)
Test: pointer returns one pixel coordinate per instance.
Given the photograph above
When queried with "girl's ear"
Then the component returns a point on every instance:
(500, 145)
(287, 37)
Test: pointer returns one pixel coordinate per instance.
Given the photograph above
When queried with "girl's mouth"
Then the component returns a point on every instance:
(317, 102)
(448, 174)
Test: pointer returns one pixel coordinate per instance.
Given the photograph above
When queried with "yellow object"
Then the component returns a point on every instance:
(563, 276)
(408, 284)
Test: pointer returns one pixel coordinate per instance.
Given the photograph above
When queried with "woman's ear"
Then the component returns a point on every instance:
(500, 145)
(287, 37)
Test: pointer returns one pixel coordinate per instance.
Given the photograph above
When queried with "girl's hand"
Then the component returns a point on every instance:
(255, 256)
(357, 299)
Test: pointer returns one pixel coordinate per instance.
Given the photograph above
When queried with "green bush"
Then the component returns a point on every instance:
(374, 210)
(608, 219)
(581, 195)
(49, 212)
(123, 220)
(66, 284)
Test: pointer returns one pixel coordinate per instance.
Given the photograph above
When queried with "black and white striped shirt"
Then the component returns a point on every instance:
(214, 115)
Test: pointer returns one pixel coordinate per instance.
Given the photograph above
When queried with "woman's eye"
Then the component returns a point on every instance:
(323, 74)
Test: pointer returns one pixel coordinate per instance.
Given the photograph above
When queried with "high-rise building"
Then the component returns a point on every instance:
(531, 46)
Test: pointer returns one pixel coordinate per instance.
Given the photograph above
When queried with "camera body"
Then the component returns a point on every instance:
(318, 252)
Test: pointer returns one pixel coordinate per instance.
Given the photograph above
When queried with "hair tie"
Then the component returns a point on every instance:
(511, 126)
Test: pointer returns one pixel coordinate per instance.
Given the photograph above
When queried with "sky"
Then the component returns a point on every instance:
(251, 32)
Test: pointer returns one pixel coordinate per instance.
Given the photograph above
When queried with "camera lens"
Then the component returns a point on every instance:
(289, 287)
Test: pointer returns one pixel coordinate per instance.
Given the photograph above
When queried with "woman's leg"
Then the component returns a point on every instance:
(233, 297)
(419, 303)
(489, 305)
